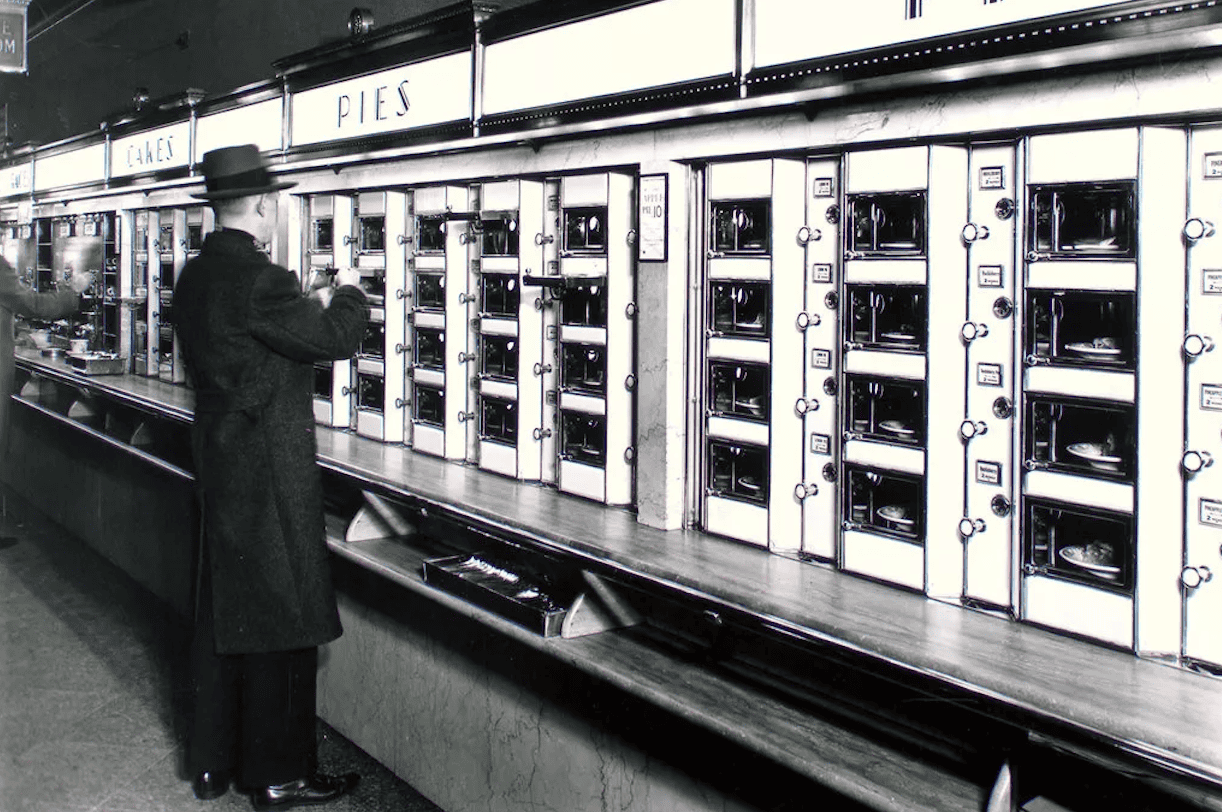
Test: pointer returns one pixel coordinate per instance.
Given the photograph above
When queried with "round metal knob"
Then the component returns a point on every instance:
(630, 237)
(464, 357)
(349, 239)
(807, 235)
(400, 349)
(400, 403)
(539, 433)
(1003, 407)
(970, 527)
(971, 331)
(969, 429)
(1194, 461)
(630, 310)
(629, 454)
(972, 232)
(466, 298)
(808, 319)
(1197, 229)
(402, 294)
(539, 368)
(403, 239)
(1000, 505)
(544, 239)
(345, 390)
(463, 417)
(1195, 345)
(1003, 307)
(1193, 577)
(804, 405)
(805, 489)
(630, 382)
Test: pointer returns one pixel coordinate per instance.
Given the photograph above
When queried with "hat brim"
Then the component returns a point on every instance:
(249, 191)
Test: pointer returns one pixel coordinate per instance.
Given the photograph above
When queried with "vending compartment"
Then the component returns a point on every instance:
(195, 230)
(740, 390)
(741, 227)
(886, 409)
(741, 308)
(373, 282)
(1077, 220)
(583, 368)
(431, 233)
(323, 379)
(322, 224)
(499, 359)
(1080, 544)
(889, 224)
(429, 405)
(370, 391)
(1081, 437)
(583, 438)
(498, 421)
(430, 348)
(885, 502)
(373, 343)
(430, 290)
(371, 233)
(585, 230)
(738, 471)
(500, 237)
(1081, 328)
(890, 317)
(500, 295)
(584, 302)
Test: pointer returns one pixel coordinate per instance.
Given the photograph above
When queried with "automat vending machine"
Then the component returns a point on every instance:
(328, 238)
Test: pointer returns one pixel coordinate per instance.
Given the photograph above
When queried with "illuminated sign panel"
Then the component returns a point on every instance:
(798, 30)
(435, 91)
(80, 166)
(17, 180)
(657, 44)
(151, 151)
(12, 37)
(257, 124)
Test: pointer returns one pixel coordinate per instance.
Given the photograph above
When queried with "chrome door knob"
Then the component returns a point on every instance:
(1197, 229)
(807, 235)
(466, 298)
(544, 239)
(1193, 577)
(1194, 461)
(402, 294)
(804, 405)
(463, 417)
(969, 429)
(970, 527)
(805, 489)
(971, 331)
(806, 320)
(1197, 345)
(400, 349)
(972, 232)
(539, 433)
(464, 357)
(539, 368)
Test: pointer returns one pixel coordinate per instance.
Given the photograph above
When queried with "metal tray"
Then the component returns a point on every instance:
(97, 363)
(501, 587)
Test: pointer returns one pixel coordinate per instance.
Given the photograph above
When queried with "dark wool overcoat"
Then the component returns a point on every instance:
(249, 339)
(18, 298)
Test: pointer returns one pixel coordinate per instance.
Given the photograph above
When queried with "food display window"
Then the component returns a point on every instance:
(887, 410)
(892, 317)
(430, 348)
(500, 234)
(583, 438)
(499, 359)
(738, 471)
(370, 391)
(374, 341)
(498, 420)
(322, 380)
(1082, 328)
(886, 224)
(500, 295)
(371, 231)
(741, 227)
(430, 291)
(429, 405)
(1095, 439)
(740, 390)
(1084, 220)
(1087, 546)
(585, 230)
(583, 369)
(322, 225)
(740, 308)
(584, 303)
(431, 233)
(885, 502)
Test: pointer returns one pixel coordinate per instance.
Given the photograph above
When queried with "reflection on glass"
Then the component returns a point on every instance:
(322, 235)
(888, 410)
(889, 316)
(498, 420)
(890, 224)
(1084, 219)
(738, 471)
(585, 303)
(585, 229)
(1093, 439)
(500, 357)
(370, 391)
(429, 405)
(583, 368)
(322, 381)
(886, 503)
(430, 348)
(500, 294)
(431, 232)
(372, 234)
(430, 290)
(1084, 545)
(741, 227)
(739, 389)
(740, 308)
(374, 285)
(583, 438)
(195, 236)
(1081, 328)
(374, 341)
(500, 234)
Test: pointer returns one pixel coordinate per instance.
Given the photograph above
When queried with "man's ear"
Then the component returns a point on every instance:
(261, 205)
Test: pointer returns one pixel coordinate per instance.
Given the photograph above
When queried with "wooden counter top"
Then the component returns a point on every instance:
(1161, 715)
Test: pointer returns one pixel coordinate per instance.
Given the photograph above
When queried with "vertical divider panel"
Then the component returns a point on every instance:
(342, 381)
(621, 328)
(396, 333)
(530, 334)
(458, 395)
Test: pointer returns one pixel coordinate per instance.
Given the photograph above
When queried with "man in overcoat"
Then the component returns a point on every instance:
(265, 600)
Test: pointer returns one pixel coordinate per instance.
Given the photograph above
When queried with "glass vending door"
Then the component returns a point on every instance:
(327, 237)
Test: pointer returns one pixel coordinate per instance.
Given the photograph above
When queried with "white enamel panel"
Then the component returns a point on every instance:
(499, 196)
(370, 424)
(885, 558)
(429, 440)
(894, 271)
(503, 459)
(583, 480)
(1118, 386)
(1095, 613)
(743, 431)
(429, 377)
(740, 520)
(738, 349)
(887, 364)
(887, 170)
(575, 334)
(881, 455)
(1082, 156)
(585, 404)
(744, 180)
(498, 327)
(583, 266)
(430, 319)
(499, 264)
(1078, 275)
(498, 389)
(749, 268)
(1116, 496)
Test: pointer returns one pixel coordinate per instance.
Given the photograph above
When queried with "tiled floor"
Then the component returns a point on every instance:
(91, 690)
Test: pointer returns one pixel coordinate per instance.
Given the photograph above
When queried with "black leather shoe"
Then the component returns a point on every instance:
(209, 785)
(318, 789)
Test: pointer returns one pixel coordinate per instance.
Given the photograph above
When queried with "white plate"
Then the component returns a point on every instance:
(1091, 351)
(896, 515)
(896, 427)
(1076, 556)
(1093, 454)
(903, 338)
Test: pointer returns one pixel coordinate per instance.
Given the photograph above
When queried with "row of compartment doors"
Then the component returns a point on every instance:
(968, 370)
(501, 326)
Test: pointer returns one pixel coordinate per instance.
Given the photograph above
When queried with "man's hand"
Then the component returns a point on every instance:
(81, 280)
(347, 276)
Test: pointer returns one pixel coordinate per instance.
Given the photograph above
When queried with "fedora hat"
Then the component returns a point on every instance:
(237, 172)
